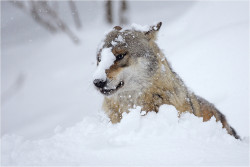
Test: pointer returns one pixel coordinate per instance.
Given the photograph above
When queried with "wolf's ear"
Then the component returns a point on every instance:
(118, 28)
(151, 33)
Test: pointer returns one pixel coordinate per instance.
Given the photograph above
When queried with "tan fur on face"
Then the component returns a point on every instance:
(156, 83)
(113, 71)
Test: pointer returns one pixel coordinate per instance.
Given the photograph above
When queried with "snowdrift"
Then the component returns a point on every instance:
(154, 139)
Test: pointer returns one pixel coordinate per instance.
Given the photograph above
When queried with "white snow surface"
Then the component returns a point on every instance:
(107, 59)
(135, 140)
(51, 114)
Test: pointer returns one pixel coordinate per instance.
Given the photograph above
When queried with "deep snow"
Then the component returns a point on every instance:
(51, 114)
(155, 139)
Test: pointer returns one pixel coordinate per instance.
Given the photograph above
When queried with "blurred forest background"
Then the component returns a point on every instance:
(48, 56)
(48, 15)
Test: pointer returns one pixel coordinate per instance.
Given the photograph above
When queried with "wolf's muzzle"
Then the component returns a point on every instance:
(99, 83)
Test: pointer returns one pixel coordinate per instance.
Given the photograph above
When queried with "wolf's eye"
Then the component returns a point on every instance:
(120, 56)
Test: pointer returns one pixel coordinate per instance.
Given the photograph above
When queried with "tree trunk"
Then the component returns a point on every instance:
(75, 14)
(109, 15)
(123, 12)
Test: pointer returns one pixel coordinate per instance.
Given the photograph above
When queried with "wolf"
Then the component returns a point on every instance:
(133, 71)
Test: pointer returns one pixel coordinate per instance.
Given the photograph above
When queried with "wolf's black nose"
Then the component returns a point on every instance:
(99, 83)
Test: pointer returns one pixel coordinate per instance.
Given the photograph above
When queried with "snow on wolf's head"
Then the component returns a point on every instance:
(127, 59)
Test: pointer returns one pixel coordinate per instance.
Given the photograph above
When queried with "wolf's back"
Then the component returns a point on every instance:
(206, 110)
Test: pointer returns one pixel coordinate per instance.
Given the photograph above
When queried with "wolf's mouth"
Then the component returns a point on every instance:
(107, 92)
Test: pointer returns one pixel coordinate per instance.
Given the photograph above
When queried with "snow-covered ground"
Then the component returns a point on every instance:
(157, 139)
(51, 114)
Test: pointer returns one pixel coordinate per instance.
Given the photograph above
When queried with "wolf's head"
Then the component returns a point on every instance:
(127, 59)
